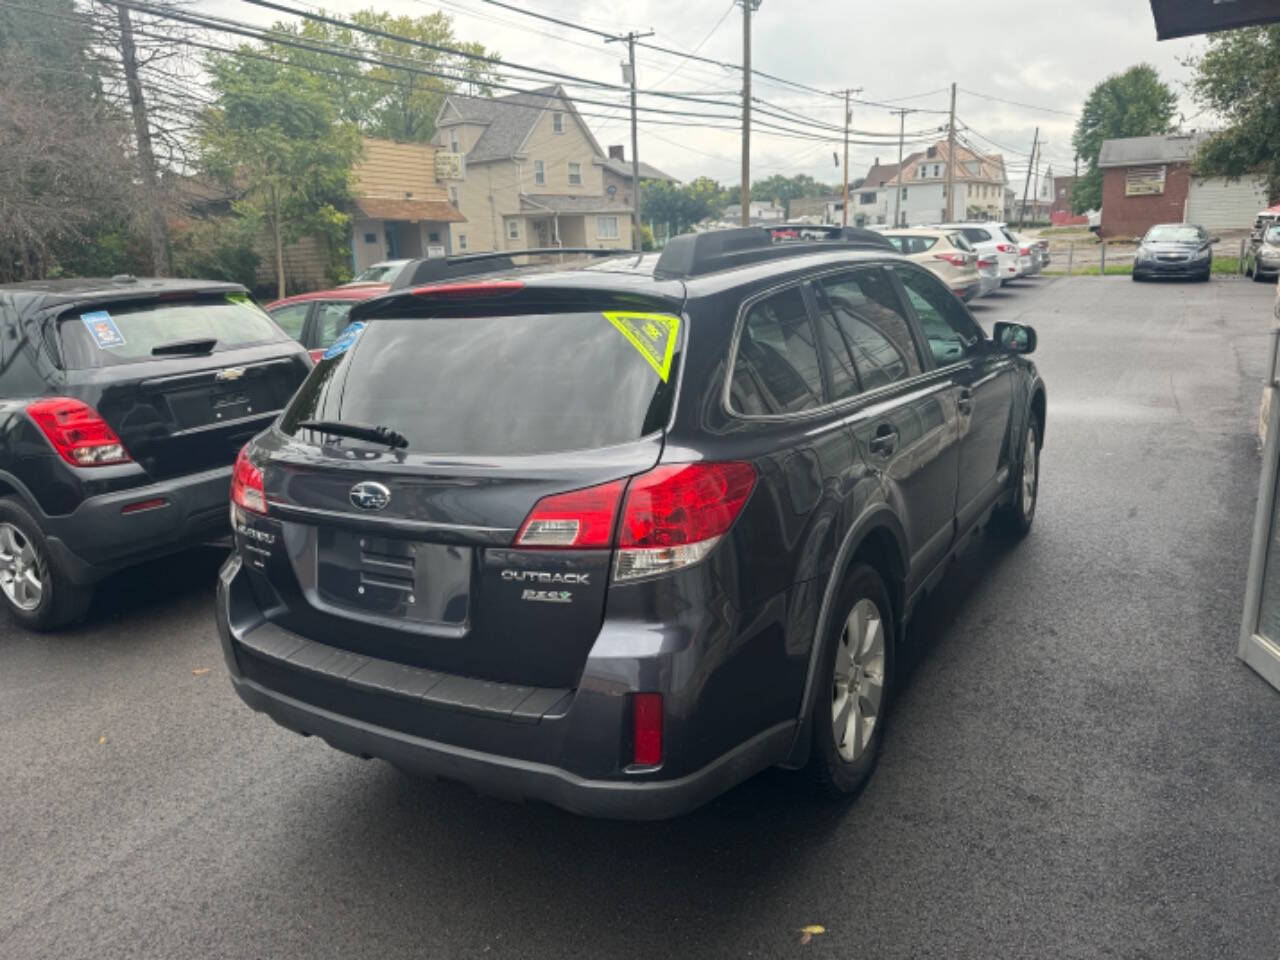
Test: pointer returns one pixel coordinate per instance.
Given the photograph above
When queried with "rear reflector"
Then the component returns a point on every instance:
(646, 729)
(140, 505)
(577, 520)
(316, 355)
(77, 432)
(496, 288)
(247, 490)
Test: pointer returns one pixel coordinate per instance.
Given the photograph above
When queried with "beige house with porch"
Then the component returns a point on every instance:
(534, 176)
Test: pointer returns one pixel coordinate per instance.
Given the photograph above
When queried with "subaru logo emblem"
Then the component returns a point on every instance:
(369, 495)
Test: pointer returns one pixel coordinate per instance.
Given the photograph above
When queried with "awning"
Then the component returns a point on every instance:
(410, 209)
(1187, 18)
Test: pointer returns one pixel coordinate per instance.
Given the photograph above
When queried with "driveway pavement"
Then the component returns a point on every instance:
(1076, 764)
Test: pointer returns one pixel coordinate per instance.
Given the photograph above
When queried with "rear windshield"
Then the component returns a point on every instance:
(129, 333)
(507, 385)
(911, 243)
(976, 235)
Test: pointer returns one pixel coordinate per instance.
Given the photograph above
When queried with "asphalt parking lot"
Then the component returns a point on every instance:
(1076, 765)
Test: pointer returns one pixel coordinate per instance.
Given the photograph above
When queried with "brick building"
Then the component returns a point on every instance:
(1149, 180)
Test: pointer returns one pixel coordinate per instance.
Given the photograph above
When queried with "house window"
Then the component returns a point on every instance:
(539, 173)
(606, 228)
(1144, 181)
(370, 238)
(575, 174)
(904, 193)
(513, 229)
(453, 141)
(453, 195)
(557, 122)
(462, 241)
(867, 198)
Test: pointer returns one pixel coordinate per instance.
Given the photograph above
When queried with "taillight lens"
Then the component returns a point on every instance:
(675, 514)
(1025, 251)
(247, 490)
(77, 432)
(1006, 248)
(316, 355)
(577, 520)
(646, 729)
(986, 263)
(671, 516)
(955, 259)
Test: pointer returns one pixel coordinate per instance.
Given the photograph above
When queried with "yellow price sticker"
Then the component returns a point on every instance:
(653, 334)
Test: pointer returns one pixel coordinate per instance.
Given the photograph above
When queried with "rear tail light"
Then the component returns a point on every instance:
(986, 263)
(579, 519)
(247, 491)
(955, 259)
(77, 432)
(316, 355)
(671, 517)
(646, 729)
(1025, 251)
(1006, 248)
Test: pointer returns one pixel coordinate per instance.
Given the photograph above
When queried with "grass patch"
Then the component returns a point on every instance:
(1221, 265)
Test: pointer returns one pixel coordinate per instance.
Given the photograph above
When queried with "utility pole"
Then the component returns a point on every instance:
(629, 75)
(1035, 143)
(748, 6)
(897, 193)
(951, 159)
(146, 156)
(848, 119)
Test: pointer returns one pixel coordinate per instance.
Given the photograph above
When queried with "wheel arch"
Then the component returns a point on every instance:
(877, 538)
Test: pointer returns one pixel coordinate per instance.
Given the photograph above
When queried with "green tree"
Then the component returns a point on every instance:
(390, 99)
(780, 189)
(1239, 78)
(679, 206)
(1136, 103)
(274, 137)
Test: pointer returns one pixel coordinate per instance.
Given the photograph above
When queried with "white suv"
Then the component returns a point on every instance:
(991, 239)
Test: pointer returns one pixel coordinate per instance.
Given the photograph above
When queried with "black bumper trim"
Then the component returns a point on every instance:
(518, 779)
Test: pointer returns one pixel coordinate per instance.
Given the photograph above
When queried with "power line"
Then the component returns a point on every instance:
(1016, 103)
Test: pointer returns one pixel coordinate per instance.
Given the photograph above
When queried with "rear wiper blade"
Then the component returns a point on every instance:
(203, 345)
(358, 431)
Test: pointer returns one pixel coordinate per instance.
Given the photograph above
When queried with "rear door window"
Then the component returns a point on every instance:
(870, 326)
(112, 335)
(497, 385)
(976, 235)
(776, 369)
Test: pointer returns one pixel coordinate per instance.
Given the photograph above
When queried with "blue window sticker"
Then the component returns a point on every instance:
(346, 339)
(103, 329)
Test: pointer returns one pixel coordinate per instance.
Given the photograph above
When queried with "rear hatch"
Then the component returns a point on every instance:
(184, 382)
(406, 553)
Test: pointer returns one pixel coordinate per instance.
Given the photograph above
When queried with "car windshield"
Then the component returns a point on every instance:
(1174, 234)
(112, 335)
(379, 273)
(500, 385)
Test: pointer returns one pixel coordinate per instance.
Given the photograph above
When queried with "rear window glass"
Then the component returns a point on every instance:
(912, 244)
(976, 235)
(111, 335)
(500, 386)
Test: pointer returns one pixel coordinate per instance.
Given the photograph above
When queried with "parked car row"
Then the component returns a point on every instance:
(999, 256)
(539, 529)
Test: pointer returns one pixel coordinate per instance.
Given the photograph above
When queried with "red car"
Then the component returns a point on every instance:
(315, 319)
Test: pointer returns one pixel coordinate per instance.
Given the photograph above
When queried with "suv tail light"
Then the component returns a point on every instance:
(247, 490)
(1006, 248)
(77, 432)
(1025, 251)
(955, 259)
(671, 516)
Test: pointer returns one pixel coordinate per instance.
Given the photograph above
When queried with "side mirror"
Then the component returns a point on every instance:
(1014, 338)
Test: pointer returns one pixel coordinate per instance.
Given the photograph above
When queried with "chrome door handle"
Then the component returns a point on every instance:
(885, 440)
(964, 403)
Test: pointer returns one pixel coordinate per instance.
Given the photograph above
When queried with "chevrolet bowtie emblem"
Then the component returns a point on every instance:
(230, 373)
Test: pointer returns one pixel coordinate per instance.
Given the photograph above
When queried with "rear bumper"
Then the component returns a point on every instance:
(98, 538)
(557, 746)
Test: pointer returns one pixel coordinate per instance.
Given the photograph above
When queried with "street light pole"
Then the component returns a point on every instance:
(629, 70)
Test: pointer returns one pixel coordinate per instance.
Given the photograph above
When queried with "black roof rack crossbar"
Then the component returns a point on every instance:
(695, 254)
(438, 269)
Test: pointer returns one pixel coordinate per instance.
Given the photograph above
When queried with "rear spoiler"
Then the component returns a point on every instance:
(420, 273)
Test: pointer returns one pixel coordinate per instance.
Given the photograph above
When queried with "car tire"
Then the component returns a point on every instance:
(32, 587)
(1257, 276)
(854, 681)
(1015, 519)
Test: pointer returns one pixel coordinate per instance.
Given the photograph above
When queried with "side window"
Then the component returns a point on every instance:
(776, 368)
(291, 319)
(868, 319)
(333, 318)
(953, 335)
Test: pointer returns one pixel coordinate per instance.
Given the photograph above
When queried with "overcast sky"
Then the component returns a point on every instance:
(1040, 54)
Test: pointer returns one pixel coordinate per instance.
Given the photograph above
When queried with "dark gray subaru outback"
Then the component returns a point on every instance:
(618, 538)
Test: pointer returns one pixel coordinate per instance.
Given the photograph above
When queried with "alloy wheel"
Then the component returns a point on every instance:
(858, 682)
(19, 569)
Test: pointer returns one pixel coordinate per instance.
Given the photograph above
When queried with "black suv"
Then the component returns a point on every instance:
(124, 403)
(620, 537)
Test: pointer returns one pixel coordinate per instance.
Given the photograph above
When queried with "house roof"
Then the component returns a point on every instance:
(647, 172)
(570, 203)
(881, 173)
(408, 208)
(1166, 148)
(508, 120)
(969, 165)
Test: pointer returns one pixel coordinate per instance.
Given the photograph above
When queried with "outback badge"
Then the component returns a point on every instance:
(369, 495)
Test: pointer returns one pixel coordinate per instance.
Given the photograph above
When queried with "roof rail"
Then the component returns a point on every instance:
(438, 269)
(695, 254)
